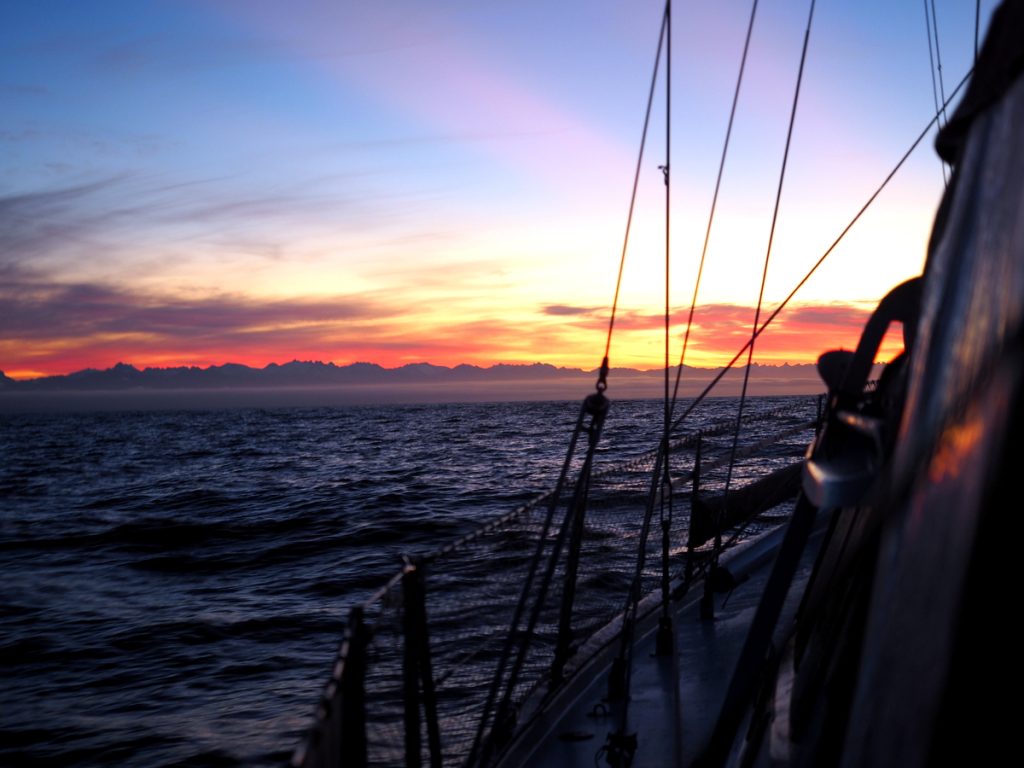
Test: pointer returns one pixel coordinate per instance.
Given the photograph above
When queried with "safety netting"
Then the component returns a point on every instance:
(482, 638)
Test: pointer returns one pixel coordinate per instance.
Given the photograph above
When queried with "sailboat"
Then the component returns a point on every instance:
(872, 628)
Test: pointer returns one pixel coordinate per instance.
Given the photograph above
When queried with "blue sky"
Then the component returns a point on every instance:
(410, 181)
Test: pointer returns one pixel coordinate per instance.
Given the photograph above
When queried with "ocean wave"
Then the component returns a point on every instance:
(175, 584)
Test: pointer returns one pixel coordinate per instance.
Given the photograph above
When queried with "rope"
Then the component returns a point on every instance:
(718, 377)
(764, 273)
(601, 385)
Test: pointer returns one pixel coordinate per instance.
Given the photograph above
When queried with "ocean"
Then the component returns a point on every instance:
(175, 582)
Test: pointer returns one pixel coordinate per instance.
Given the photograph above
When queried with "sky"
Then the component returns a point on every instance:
(199, 182)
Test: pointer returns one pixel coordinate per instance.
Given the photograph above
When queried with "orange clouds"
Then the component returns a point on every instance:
(51, 328)
(798, 335)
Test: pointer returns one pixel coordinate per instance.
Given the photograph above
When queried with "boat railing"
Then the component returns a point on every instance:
(416, 675)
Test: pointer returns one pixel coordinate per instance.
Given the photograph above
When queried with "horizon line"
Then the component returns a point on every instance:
(538, 364)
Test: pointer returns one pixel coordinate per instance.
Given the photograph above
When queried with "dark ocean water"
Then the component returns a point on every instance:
(174, 583)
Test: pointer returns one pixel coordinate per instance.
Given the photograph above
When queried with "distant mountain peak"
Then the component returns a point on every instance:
(328, 375)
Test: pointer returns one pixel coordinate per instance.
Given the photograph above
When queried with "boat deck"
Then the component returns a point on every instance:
(672, 721)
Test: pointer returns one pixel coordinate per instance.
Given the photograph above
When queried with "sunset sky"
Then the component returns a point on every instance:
(255, 181)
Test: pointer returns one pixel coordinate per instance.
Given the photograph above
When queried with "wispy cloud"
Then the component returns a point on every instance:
(36, 310)
(562, 310)
(33, 224)
(124, 216)
(826, 315)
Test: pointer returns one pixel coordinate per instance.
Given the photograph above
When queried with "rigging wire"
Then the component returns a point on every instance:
(480, 743)
(703, 255)
(665, 501)
(775, 313)
(977, 24)
(620, 746)
(714, 203)
(666, 170)
(931, 54)
(931, 69)
(593, 433)
(601, 384)
(938, 61)
(764, 276)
